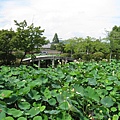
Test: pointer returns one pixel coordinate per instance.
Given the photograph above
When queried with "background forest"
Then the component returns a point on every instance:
(15, 45)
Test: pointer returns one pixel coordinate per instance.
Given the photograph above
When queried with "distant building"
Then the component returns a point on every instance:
(46, 49)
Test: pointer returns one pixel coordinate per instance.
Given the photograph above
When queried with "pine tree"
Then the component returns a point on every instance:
(55, 38)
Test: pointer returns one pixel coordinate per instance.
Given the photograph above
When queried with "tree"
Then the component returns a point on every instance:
(60, 47)
(6, 46)
(70, 46)
(114, 37)
(28, 37)
(55, 38)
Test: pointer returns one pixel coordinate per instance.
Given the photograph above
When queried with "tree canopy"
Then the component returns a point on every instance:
(114, 37)
(6, 45)
(26, 38)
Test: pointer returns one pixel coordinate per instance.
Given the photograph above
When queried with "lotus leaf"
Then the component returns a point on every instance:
(34, 111)
(22, 118)
(52, 101)
(14, 112)
(107, 101)
(64, 106)
(37, 118)
(24, 105)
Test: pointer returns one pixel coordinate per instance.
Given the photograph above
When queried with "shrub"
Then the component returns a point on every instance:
(7, 59)
(98, 56)
(65, 55)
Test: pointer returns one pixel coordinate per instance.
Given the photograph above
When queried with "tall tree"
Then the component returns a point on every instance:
(28, 37)
(55, 38)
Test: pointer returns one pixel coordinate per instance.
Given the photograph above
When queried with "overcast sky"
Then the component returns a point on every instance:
(67, 18)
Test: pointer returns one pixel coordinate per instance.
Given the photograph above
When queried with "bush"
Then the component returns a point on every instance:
(77, 55)
(65, 55)
(98, 56)
(7, 59)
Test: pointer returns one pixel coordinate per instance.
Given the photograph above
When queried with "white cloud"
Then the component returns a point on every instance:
(68, 18)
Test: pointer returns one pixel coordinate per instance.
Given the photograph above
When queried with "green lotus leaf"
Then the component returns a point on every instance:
(109, 88)
(107, 101)
(5, 93)
(24, 90)
(34, 111)
(119, 114)
(14, 112)
(91, 93)
(2, 104)
(113, 109)
(54, 93)
(22, 118)
(119, 107)
(69, 78)
(117, 83)
(92, 81)
(24, 105)
(115, 117)
(45, 80)
(1, 86)
(33, 94)
(2, 114)
(60, 98)
(21, 83)
(42, 108)
(52, 101)
(33, 84)
(79, 90)
(11, 100)
(112, 78)
(64, 106)
(8, 118)
(37, 118)
(47, 93)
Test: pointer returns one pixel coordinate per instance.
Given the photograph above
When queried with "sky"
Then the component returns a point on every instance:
(67, 18)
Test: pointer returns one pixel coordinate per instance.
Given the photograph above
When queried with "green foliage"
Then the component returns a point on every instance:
(28, 37)
(98, 56)
(75, 91)
(8, 58)
(6, 37)
(86, 57)
(65, 55)
(60, 47)
(114, 37)
(25, 38)
(53, 46)
(6, 46)
(84, 48)
(18, 54)
(70, 46)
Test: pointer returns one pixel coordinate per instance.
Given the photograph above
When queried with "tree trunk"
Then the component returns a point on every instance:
(110, 55)
(23, 57)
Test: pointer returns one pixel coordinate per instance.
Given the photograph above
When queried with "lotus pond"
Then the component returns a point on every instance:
(75, 91)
